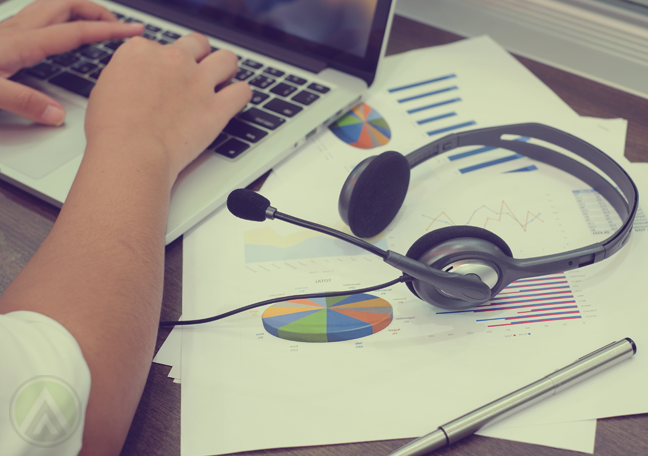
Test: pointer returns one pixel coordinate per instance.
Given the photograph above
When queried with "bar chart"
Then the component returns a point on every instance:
(433, 103)
(537, 300)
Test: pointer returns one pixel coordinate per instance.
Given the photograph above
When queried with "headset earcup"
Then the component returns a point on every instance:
(430, 240)
(371, 200)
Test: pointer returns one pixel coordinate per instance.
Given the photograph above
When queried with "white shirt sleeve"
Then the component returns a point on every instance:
(44, 387)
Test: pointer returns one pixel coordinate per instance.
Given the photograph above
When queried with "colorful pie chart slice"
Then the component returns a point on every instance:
(328, 319)
(362, 127)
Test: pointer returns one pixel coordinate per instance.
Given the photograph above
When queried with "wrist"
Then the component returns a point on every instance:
(140, 155)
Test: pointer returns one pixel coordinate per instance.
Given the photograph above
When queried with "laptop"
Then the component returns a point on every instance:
(307, 61)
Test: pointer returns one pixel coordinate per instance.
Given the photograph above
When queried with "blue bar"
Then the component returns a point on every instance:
(423, 95)
(435, 105)
(490, 163)
(478, 309)
(556, 276)
(417, 84)
(432, 119)
(545, 289)
(520, 301)
(481, 150)
(542, 293)
(470, 153)
(525, 169)
(454, 127)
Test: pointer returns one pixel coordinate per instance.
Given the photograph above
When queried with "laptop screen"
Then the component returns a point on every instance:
(341, 24)
(345, 34)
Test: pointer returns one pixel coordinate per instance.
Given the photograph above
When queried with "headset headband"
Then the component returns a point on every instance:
(492, 137)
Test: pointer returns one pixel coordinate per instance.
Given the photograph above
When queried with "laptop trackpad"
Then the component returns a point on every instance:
(36, 150)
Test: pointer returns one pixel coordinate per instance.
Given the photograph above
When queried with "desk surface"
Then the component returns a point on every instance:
(25, 222)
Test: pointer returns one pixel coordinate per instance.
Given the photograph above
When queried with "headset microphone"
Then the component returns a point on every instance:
(468, 288)
(248, 205)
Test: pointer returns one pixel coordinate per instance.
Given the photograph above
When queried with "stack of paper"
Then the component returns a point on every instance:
(245, 386)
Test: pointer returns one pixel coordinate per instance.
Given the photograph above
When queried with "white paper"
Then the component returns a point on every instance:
(424, 368)
(573, 436)
(411, 367)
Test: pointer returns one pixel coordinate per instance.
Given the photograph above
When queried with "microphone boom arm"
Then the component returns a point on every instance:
(470, 289)
(272, 213)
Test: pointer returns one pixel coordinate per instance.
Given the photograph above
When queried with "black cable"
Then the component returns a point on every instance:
(403, 278)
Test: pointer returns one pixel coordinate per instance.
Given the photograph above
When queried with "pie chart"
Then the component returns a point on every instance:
(332, 319)
(362, 127)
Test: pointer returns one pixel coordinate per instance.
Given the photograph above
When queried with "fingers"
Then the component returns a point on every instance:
(229, 101)
(218, 69)
(29, 103)
(47, 12)
(194, 44)
(82, 9)
(60, 38)
(220, 66)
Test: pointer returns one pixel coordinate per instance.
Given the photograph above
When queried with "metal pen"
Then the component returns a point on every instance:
(581, 369)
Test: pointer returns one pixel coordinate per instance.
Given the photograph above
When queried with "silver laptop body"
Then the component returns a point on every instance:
(326, 79)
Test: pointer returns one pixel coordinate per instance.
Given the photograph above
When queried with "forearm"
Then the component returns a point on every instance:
(100, 273)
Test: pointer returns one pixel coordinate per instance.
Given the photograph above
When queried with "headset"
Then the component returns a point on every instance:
(457, 267)
(376, 188)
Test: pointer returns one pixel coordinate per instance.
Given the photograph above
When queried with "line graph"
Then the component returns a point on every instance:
(488, 215)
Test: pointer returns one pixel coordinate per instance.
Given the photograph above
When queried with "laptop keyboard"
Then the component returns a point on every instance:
(277, 95)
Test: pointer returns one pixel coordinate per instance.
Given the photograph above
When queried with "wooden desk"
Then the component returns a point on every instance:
(25, 221)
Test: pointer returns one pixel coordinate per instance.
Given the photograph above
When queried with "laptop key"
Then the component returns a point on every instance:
(171, 35)
(83, 67)
(66, 59)
(244, 131)
(258, 97)
(262, 118)
(113, 44)
(305, 97)
(282, 107)
(296, 79)
(252, 64)
(73, 83)
(318, 87)
(219, 139)
(242, 74)
(94, 53)
(283, 90)
(43, 70)
(232, 148)
(274, 72)
(262, 81)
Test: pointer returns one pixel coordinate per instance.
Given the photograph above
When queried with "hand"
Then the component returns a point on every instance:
(163, 95)
(49, 27)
